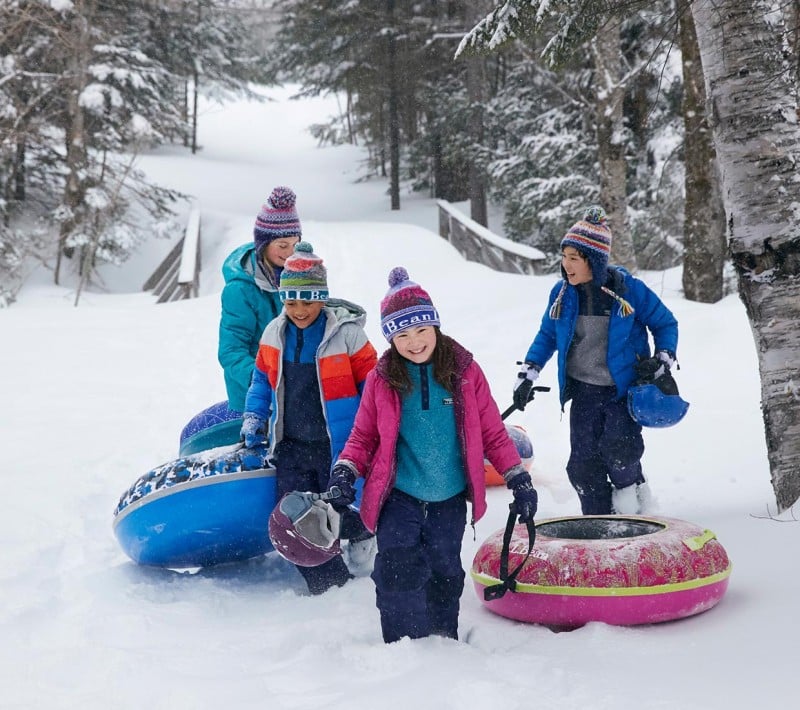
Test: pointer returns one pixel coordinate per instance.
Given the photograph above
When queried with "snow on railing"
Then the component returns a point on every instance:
(178, 276)
(477, 243)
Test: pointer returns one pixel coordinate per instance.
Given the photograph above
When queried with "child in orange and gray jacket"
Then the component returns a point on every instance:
(310, 369)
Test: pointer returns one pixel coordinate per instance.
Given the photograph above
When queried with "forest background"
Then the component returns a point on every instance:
(538, 107)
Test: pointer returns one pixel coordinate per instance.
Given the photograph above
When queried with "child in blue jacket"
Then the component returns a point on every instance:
(597, 320)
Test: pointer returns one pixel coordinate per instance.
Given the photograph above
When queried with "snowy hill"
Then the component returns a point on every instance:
(95, 396)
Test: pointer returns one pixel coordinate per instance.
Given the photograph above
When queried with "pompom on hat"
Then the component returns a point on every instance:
(304, 276)
(405, 305)
(592, 238)
(277, 218)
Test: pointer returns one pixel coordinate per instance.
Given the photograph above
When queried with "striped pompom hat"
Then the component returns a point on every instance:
(405, 305)
(304, 276)
(277, 218)
(592, 238)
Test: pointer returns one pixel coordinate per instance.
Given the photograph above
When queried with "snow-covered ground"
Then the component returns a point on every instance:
(95, 396)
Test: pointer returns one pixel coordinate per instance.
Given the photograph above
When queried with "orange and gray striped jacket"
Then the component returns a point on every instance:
(343, 358)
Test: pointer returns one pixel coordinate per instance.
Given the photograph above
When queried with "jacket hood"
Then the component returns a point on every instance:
(240, 265)
(346, 311)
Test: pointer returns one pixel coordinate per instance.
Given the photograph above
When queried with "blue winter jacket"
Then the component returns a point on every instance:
(627, 335)
(249, 304)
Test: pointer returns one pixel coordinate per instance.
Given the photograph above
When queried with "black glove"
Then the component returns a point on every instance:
(656, 370)
(526, 499)
(341, 487)
(523, 387)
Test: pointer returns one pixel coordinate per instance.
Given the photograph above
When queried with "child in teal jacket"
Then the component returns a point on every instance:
(250, 299)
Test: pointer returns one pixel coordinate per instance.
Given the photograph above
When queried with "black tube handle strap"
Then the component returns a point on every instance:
(508, 582)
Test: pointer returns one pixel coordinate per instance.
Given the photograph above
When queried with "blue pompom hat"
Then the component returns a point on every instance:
(405, 305)
(277, 218)
(592, 238)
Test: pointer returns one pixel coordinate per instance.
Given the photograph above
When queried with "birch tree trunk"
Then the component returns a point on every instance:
(610, 93)
(751, 90)
(704, 237)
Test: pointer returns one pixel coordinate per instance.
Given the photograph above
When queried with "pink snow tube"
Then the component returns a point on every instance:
(618, 570)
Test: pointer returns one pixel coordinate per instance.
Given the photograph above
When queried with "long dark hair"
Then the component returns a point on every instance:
(443, 361)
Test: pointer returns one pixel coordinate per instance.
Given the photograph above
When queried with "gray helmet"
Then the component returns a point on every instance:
(304, 529)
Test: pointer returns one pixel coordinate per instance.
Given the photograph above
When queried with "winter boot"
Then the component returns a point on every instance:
(645, 496)
(360, 553)
(625, 501)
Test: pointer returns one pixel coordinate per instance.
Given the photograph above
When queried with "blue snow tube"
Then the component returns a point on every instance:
(199, 511)
(215, 426)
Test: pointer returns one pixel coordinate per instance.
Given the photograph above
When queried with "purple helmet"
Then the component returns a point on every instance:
(304, 529)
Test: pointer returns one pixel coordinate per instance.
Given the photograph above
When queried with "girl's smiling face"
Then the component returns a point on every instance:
(576, 266)
(416, 344)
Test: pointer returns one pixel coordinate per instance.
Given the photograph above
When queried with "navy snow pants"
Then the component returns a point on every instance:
(606, 446)
(305, 466)
(418, 574)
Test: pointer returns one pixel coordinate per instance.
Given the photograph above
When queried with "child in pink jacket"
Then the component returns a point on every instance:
(425, 422)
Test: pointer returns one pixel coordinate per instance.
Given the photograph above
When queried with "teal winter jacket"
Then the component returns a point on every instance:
(249, 304)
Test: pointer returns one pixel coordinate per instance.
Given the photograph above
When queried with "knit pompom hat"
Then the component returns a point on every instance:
(405, 305)
(304, 276)
(592, 238)
(277, 218)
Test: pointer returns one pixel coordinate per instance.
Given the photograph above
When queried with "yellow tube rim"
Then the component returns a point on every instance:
(526, 588)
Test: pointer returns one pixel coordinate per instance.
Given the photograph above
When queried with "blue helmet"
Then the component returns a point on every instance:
(649, 406)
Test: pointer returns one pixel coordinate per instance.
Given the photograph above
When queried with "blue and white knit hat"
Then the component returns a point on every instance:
(304, 276)
(277, 218)
(405, 305)
(592, 238)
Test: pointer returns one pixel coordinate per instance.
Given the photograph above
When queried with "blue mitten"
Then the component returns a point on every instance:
(341, 487)
(526, 499)
(253, 431)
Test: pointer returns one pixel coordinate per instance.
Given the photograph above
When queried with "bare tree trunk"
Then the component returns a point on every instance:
(753, 97)
(476, 82)
(704, 238)
(195, 79)
(476, 91)
(792, 15)
(75, 134)
(19, 168)
(610, 146)
(394, 119)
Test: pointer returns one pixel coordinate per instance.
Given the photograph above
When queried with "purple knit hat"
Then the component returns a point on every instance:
(277, 218)
(405, 305)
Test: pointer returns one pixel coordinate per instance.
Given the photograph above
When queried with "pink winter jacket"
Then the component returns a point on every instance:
(371, 447)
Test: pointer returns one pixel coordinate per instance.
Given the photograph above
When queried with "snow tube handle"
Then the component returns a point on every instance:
(508, 582)
(698, 541)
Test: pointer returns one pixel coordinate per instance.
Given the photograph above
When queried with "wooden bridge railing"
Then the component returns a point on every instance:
(178, 276)
(477, 243)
